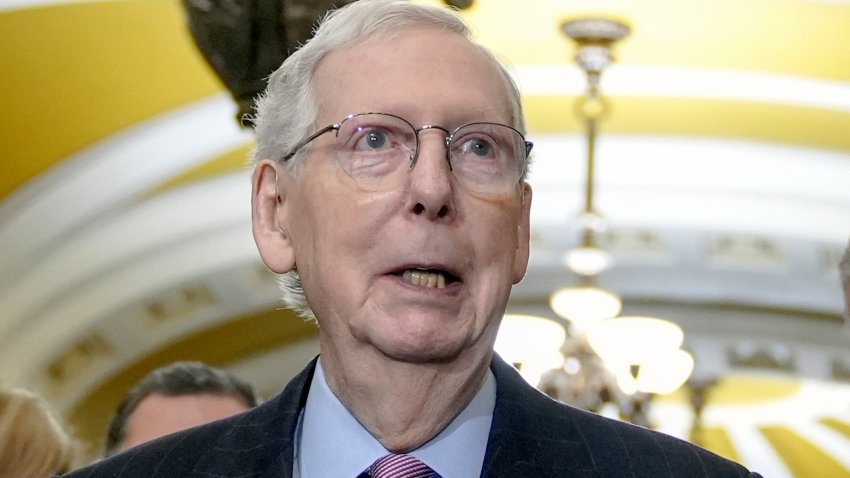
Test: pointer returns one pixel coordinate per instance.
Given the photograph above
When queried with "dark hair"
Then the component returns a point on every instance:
(179, 378)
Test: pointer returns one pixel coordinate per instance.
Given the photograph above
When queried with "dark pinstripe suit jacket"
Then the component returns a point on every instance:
(532, 436)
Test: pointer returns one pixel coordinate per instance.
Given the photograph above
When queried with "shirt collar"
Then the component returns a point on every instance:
(331, 442)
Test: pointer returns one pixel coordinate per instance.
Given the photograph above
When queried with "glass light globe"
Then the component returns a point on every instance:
(665, 374)
(531, 343)
(584, 305)
(587, 261)
(643, 353)
(634, 340)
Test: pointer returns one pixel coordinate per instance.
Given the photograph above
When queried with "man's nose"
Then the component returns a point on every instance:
(431, 183)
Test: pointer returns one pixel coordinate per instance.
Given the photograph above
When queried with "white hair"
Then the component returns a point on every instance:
(287, 111)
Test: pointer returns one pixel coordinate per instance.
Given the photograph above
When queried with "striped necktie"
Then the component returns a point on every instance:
(400, 466)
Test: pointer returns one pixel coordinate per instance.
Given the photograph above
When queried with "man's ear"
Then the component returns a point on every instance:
(268, 213)
(523, 248)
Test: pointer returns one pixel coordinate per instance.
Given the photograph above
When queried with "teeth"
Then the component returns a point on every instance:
(425, 278)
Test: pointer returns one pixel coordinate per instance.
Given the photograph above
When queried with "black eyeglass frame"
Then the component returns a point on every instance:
(449, 135)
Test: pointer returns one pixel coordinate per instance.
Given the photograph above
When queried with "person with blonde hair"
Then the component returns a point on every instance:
(32, 442)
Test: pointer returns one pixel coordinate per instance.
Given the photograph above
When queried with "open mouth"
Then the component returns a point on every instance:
(430, 278)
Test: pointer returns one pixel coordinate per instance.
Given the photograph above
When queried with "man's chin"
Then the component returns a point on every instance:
(423, 352)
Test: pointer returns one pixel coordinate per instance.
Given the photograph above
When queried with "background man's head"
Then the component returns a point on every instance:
(173, 398)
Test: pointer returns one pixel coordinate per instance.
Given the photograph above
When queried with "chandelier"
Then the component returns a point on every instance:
(601, 360)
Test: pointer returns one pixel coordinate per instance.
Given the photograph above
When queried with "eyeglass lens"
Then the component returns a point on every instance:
(377, 150)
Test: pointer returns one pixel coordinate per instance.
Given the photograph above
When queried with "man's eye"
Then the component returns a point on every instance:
(372, 141)
(478, 147)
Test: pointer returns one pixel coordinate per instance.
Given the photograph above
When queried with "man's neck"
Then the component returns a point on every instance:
(403, 405)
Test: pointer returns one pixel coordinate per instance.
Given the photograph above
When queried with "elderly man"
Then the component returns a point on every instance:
(389, 190)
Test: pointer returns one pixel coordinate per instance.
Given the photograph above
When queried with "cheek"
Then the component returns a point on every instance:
(497, 233)
(338, 226)
(321, 208)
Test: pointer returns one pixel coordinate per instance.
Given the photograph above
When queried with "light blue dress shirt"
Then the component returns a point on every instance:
(331, 443)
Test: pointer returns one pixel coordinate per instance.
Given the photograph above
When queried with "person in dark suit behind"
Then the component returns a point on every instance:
(389, 190)
(175, 397)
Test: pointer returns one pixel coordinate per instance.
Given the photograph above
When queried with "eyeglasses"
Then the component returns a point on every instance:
(376, 150)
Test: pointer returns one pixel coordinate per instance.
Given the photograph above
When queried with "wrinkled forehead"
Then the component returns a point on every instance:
(423, 74)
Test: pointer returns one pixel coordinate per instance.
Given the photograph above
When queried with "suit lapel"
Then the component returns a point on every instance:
(531, 435)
